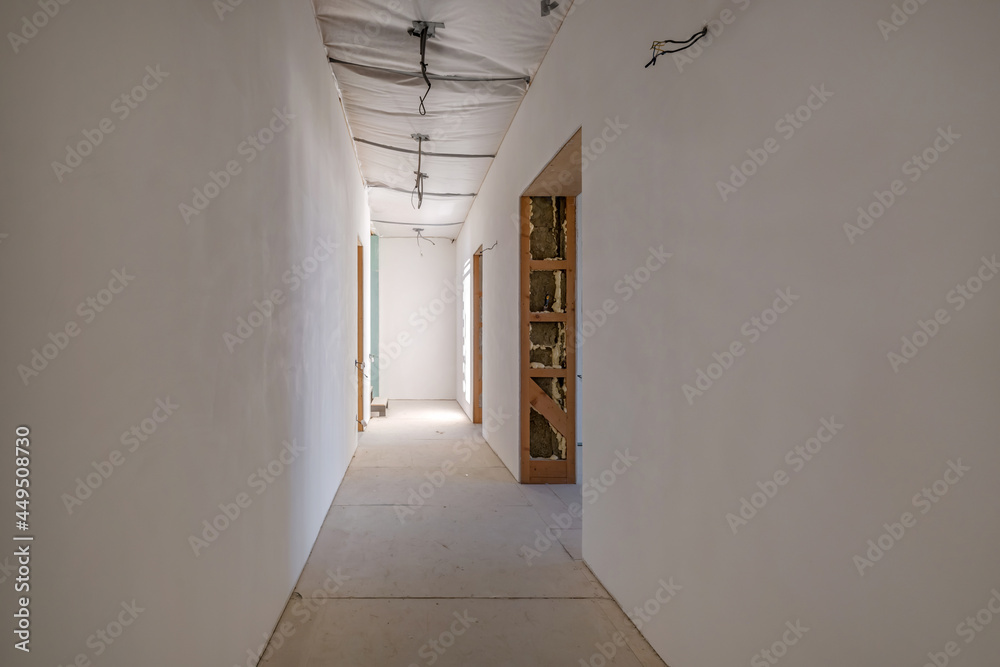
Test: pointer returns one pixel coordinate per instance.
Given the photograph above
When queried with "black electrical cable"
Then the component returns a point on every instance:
(412, 152)
(423, 68)
(430, 75)
(418, 189)
(658, 49)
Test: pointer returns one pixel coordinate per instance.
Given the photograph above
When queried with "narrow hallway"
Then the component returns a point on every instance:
(420, 562)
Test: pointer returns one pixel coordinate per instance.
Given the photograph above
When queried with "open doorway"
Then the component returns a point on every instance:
(548, 399)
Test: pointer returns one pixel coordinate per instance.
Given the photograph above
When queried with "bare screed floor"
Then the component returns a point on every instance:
(447, 583)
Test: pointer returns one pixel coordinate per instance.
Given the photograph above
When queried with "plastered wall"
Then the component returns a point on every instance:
(186, 274)
(418, 296)
(807, 483)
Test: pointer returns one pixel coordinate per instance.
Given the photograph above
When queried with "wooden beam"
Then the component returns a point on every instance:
(546, 373)
(525, 338)
(548, 472)
(548, 408)
(477, 336)
(570, 433)
(548, 264)
(547, 317)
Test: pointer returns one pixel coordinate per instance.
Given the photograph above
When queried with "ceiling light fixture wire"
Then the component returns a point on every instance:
(424, 30)
(659, 50)
(419, 231)
(418, 189)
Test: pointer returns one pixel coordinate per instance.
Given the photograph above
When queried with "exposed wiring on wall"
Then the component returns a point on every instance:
(424, 30)
(659, 50)
(418, 189)
(419, 231)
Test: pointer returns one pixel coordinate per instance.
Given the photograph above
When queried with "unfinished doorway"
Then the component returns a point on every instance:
(548, 320)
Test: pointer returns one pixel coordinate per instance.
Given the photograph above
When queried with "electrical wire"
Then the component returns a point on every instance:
(420, 235)
(430, 75)
(423, 68)
(658, 49)
(418, 189)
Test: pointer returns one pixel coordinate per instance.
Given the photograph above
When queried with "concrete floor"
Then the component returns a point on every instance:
(400, 579)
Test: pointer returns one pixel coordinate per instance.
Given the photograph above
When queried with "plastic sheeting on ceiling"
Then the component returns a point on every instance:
(480, 64)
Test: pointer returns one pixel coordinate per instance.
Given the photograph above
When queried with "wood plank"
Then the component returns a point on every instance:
(546, 373)
(548, 472)
(361, 338)
(525, 340)
(547, 317)
(477, 337)
(570, 308)
(563, 176)
(548, 264)
(548, 408)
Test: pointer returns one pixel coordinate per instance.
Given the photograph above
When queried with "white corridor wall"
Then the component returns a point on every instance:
(219, 331)
(666, 145)
(418, 297)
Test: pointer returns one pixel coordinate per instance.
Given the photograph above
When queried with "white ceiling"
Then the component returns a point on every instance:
(480, 64)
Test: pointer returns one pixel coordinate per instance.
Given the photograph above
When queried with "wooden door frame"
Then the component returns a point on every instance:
(477, 336)
(359, 363)
(548, 471)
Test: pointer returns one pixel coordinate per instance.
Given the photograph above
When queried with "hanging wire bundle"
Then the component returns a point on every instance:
(418, 189)
(660, 48)
(424, 30)
(420, 235)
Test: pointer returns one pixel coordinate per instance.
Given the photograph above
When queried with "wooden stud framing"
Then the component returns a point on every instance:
(547, 471)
